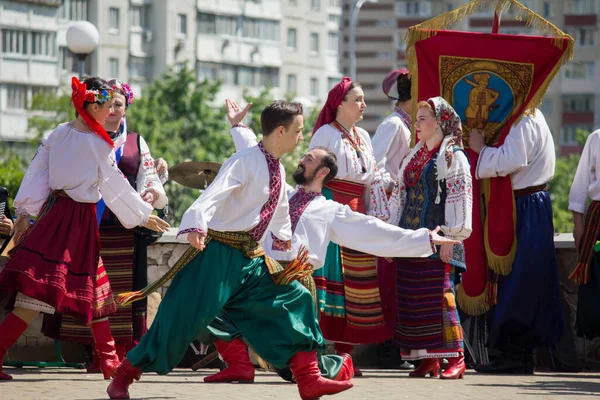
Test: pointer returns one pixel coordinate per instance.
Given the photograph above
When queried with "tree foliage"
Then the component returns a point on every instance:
(12, 170)
(178, 120)
(560, 186)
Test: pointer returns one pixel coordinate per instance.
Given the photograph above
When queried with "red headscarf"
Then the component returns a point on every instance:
(334, 99)
(78, 98)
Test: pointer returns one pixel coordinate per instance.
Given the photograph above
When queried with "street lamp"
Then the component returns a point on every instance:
(82, 39)
(352, 42)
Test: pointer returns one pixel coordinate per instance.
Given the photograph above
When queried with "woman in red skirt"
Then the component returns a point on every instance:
(55, 266)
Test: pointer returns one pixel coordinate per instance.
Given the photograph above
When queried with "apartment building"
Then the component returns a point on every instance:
(570, 102)
(291, 46)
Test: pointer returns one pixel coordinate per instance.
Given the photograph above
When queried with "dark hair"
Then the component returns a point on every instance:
(279, 112)
(403, 86)
(353, 85)
(329, 161)
(94, 83)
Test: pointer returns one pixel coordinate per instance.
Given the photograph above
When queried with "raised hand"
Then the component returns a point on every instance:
(235, 114)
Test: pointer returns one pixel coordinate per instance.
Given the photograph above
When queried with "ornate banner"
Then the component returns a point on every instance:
(490, 80)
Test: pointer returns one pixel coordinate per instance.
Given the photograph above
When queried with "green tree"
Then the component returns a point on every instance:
(177, 118)
(47, 112)
(560, 186)
(12, 170)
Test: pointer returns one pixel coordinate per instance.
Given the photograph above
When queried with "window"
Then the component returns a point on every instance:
(292, 83)
(261, 29)
(581, 7)
(74, 10)
(140, 68)
(334, 18)
(314, 87)
(291, 38)
(335, 3)
(14, 41)
(139, 16)
(113, 67)
(547, 9)
(16, 97)
(578, 103)
(414, 8)
(65, 59)
(43, 44)
(293, 2)
(333, 42)
(207, 23)
(315, 5)
(331, 82)
(584, 37)
(568, 134)
(206, 71)
(182, 25)
(226, 25)
(113, 20)
(579, 70)
(314, 42)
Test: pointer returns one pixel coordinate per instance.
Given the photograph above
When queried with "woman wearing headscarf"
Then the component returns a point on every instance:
(347, 286)
(55, 266)
(434, 189)
(124, 251)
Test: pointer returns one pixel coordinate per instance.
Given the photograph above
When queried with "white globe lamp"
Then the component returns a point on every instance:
(82, 39)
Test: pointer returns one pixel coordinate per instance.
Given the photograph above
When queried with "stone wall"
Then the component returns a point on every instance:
(163, 255)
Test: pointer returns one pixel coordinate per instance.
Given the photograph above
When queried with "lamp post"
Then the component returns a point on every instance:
(354, 10)
(82, 39)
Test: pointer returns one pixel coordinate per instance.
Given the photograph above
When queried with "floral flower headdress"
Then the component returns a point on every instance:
(125, 88)
(98, 96)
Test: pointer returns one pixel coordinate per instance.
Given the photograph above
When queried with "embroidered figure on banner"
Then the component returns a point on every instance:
(485, 93)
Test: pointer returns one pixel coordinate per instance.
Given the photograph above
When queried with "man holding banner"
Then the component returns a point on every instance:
(528, 312)
(495, 82)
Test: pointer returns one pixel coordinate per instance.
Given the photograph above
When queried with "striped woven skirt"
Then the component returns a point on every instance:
(347, 286)
(120, 251)
(427, 324)
(56, 265)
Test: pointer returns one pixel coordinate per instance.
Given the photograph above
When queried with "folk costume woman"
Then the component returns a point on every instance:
(55, 266)
(347, 286)
(124, 251)
(434, 189)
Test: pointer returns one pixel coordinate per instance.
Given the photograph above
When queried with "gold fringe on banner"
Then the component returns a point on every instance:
(500, 264)
(476, 305)
(429, 28)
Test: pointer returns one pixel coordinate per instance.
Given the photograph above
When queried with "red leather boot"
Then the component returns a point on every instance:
(239, 367)
(94, 367)
(123, 378)
(105, 347)
(10, 330)
(121, 350)
(347, 371)
(428, 366)
(311, 385)
(344, 348)
(456, 368)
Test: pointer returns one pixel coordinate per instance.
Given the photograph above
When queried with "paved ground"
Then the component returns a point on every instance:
(55, 384)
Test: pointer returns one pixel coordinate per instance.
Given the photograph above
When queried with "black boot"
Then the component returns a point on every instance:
(509, 363)
(388, 357)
